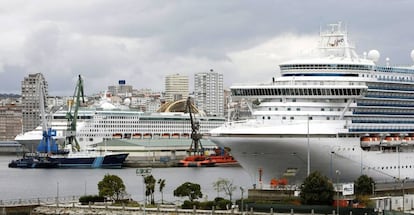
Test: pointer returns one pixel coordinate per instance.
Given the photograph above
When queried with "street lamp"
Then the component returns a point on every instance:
(242, 191)
(331, 166)
(403, 193)
(373, 189)
(337, 190)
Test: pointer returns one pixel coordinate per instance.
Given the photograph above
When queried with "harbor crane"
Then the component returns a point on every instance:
(47, 144)
(196, 148)
(72, 115)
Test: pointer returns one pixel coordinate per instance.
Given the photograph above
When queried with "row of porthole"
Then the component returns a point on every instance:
(292, 118)
(298, 109)
(388, 77)
(388, 167)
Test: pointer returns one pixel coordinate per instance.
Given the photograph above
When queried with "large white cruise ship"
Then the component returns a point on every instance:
(105, 122)
(336, 113)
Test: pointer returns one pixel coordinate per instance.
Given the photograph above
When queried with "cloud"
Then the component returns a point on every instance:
(260, 63)
(142, 41)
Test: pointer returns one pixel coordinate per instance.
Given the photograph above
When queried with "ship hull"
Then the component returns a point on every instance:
(71, 161)
(284, 156)
(100, 161)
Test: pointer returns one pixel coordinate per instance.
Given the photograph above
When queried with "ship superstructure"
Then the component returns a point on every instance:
(333, 111)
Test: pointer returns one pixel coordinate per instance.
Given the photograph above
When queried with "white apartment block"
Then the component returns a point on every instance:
(176, 87)
(209, 92)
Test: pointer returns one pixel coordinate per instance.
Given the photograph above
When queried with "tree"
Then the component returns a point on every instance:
(150, 187)
(161, 183)
(316, 190)
(190, 190)
(224, 185)
(364, 185)
(112, 187)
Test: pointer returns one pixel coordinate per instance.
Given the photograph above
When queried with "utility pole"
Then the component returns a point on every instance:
(337, 191)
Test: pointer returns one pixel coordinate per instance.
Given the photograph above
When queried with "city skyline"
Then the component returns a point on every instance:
(142, 41)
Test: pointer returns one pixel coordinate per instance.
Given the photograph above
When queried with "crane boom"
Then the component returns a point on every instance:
(72, 114)
(47, 144)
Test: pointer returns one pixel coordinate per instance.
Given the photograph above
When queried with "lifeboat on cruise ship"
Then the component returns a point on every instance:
(136, 136)
(185, 135)
(165, 135)
(370, 141)
(175, 135)
(147, 136)
(391, 140)
(117, 136)
(409, 140)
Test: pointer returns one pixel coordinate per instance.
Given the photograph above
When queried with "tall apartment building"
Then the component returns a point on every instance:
(209, 92)
(30, 100)
(10, 121)
(176, 87)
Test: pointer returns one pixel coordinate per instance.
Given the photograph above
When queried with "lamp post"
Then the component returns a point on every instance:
(337, 191)
(403, 193)
(331, 166)
(57, 194)
(308, 148)
(242, 191)
(373, 189)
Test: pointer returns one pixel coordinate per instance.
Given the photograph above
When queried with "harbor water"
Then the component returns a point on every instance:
(18, 183)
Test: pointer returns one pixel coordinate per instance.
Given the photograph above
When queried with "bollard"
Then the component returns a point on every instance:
(158, 209)
(312, 212)
(194, 209)
(271, 211)
(251, 210)
(350, 213)
(291, 211)
(212, 210)
(90, 205)
(333, 212)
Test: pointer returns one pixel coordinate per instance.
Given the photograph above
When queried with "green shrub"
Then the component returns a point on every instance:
(190, 204)
(222, 204)
(208, 205)
(84, 200)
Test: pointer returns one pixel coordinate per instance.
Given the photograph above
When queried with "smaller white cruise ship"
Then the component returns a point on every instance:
(106, 122)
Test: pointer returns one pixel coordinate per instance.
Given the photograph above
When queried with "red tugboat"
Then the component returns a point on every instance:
(197, 156)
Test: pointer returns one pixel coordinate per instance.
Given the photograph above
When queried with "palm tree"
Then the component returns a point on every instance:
(150, 187)
(161, 182)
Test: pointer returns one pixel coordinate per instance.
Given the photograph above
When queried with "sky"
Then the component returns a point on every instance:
(143, 41)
